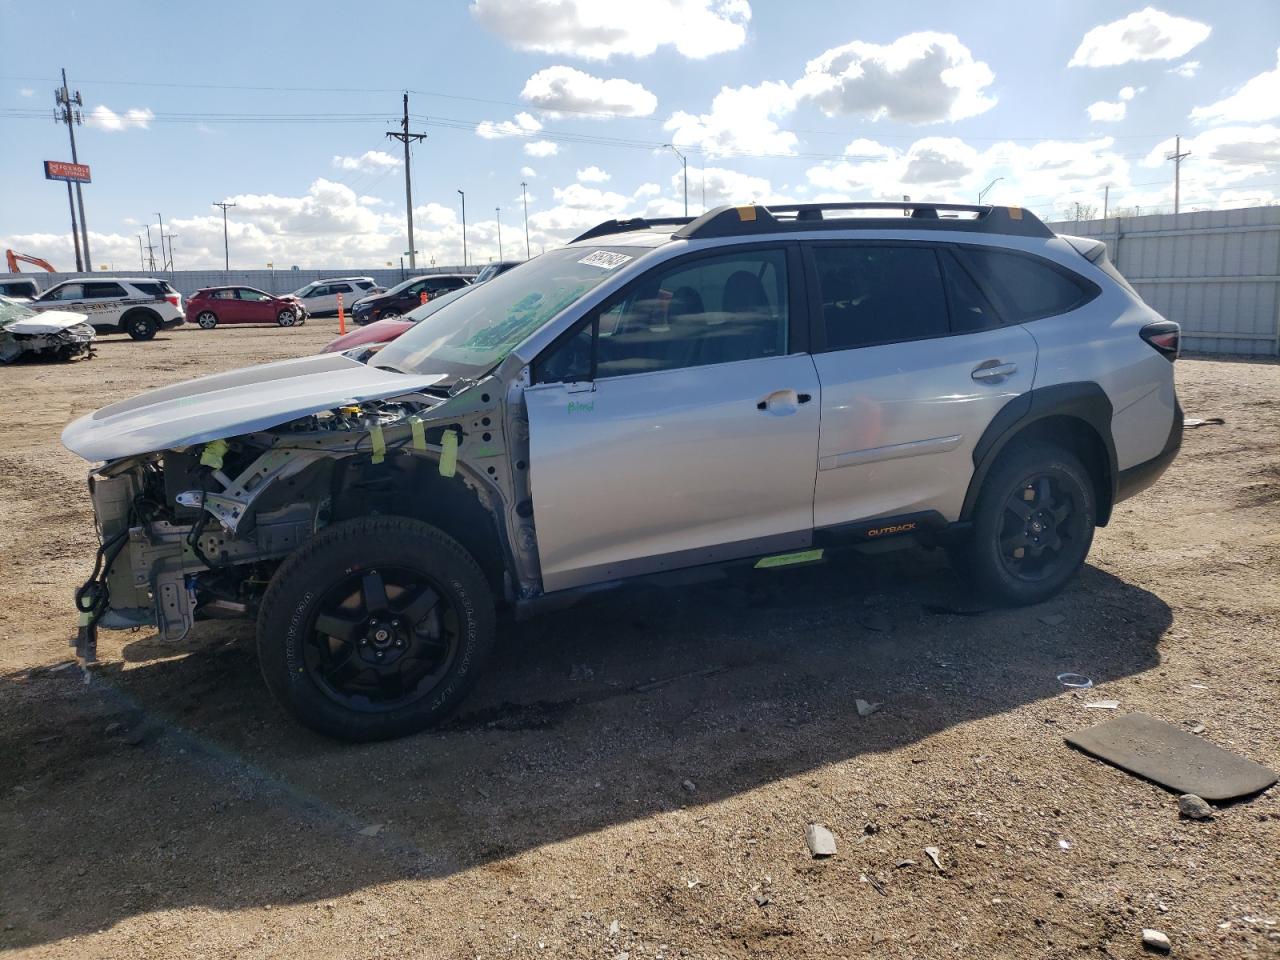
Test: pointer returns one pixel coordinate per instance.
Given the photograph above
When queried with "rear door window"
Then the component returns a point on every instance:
(879, 293)
(1026, 287)
(969, 307)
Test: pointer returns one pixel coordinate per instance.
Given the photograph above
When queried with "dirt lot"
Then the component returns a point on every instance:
(167, 808)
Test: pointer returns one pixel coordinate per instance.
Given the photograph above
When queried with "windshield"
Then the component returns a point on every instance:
(304, 290)
(469, 334)
(487, 273)
(11, 311)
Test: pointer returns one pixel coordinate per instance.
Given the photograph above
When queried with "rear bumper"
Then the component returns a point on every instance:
(1137, 478)
(172, 322)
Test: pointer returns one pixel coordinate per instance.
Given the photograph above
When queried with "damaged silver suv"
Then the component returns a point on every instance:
(753, 386)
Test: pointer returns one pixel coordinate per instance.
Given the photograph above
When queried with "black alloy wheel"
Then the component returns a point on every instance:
(1040, 525)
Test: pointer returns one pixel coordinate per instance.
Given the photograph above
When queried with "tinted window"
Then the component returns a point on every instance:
(68, 291)
(318, 292)
(1026, 287)
(154, 290)
(340, 288)
(879, 294)
(103, 291)
(695, 313)
(970, 309)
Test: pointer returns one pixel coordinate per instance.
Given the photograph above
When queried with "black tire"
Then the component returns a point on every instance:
(141, 325)
(207, 319)
(286, 317)
(1032, 526)
(436, 631)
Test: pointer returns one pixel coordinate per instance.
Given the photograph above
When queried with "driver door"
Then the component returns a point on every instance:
(677, 424)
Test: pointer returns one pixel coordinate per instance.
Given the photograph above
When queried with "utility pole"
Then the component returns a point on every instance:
(142, 260)
(464, 227)
(151, 251)
(162, 266)
(684, 166)
(497, 216)
(1106, 197)
(226, 245)
(65, 100)
(1177, 157)
(404, 136)
(171, 266)
(524, 195)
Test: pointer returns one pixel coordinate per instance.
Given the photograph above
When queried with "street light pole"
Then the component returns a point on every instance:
(525, 197)
(983, 192)
(684, 166)
(464, 227)
(497, 216)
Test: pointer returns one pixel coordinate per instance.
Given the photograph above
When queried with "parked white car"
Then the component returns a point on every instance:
(56, 333)
(137, 306)
(321, 296)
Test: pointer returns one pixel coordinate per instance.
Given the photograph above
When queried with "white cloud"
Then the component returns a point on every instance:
(1128, 93)
(528, 172)
(104, 118)
(1106, 112)
(1148, 34)
(599, 29)
(918, 78)
(26, 92)
(1258, 99)
(741, 121)
(523, 125)
(1186, 69)
(542, 148)
(1224, 155)
(563, 88)
(592, 175)
(368, 162)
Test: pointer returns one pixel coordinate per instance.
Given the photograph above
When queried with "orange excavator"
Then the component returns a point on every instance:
(13, 259)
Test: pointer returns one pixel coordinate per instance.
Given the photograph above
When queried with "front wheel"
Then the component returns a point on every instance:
(375, 629)
(286, 317)
(1032, 526)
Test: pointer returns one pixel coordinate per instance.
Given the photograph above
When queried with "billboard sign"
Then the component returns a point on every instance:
(71, 172)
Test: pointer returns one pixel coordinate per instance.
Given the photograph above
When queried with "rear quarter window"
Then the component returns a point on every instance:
(153, 290)
(1026, 287)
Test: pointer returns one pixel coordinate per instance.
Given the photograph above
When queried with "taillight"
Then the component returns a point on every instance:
(172, 298)
(1165, 337)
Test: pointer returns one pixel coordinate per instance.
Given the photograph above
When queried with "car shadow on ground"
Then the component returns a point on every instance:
(172, 780)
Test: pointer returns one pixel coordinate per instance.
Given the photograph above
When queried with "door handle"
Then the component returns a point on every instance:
(993, 370)
(782, 402)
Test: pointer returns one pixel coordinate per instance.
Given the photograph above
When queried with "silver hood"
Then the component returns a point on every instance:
(51, 321)
(233, 403)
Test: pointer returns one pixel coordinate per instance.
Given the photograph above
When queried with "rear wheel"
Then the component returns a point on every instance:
(207, 320)
(375, 629)
(286, 317)
(1032, 526)
(140, 326)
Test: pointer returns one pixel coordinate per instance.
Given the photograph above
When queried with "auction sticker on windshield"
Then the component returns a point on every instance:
(605, 260)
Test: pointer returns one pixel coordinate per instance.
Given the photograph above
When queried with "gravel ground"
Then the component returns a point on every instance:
(634, 776)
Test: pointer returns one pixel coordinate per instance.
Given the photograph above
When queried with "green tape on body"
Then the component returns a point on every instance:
(379, 444)
(449, 453)
(788, 559)
(419, 433)
(213, 454)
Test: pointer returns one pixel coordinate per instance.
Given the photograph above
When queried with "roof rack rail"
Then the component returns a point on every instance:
(626, 226)
(751, 219)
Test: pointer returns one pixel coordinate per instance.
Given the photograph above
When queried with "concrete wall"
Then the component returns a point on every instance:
(1216, 272)
(187, 282)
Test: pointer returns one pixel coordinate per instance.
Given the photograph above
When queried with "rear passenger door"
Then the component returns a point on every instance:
(914, 363)
(677, 424)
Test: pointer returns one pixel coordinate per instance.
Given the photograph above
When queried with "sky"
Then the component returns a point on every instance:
(282, 109)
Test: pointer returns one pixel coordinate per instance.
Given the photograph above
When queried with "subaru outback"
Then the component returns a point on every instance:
(756, 386)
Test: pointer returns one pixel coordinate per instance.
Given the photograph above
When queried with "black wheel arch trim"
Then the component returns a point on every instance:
(1081, 400)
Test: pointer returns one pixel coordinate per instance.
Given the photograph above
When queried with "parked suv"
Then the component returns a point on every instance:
(321, 296)
(136, 306)
(405, 296)
(755, 386)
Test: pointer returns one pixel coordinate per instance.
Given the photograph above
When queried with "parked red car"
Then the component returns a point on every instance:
(379, 332)
(214, 305)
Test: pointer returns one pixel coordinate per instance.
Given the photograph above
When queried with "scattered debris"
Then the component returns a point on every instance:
(372, 830)
(821, 841)
(59, 667)
(875, 884)
(979, 844)
(1193, 422)
(1172, 757)
(663, 681)
(1155, 940)
(1053, 619)
(1064, 844)
(945, 610)
(691, 884)
(761, 899)
(1198, 728)
(936, 856)
(1075, 680)
(866, 709)
(614, 928)
(113, 728)
(689, 785)
(1103, 705)
(876, 621)
(1194, 808)
(906, 863)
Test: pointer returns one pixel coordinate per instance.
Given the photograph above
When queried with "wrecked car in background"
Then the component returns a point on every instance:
(755, 386)
(54, 334)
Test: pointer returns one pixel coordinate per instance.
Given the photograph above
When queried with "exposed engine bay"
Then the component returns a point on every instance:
(57, 335)
(195, 532)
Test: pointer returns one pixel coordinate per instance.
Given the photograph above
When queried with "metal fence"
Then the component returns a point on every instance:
(187, 282)
(1215, 272)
